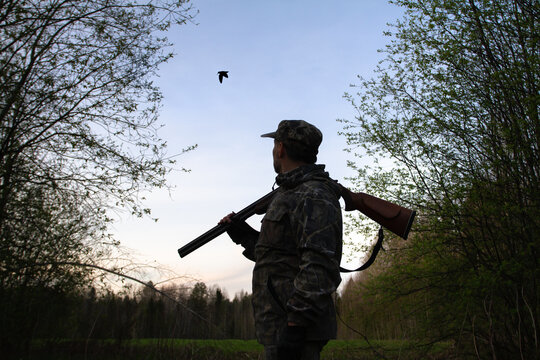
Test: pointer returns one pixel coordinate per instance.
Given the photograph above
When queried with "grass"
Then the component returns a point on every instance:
(184, 349)
(383, 349)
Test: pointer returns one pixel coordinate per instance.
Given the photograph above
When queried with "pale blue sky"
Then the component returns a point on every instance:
(286, 60)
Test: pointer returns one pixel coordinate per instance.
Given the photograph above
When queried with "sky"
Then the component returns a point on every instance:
(287, 59)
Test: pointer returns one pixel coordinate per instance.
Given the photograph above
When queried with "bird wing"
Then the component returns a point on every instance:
(222, 74)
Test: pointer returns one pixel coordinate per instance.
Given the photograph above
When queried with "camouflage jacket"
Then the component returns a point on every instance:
(297, 256)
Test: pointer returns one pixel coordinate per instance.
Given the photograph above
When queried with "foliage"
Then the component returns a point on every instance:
(78, 137)
(78, 104)
(369, 314)
(78, 130)
(449, 126)
(49, 315)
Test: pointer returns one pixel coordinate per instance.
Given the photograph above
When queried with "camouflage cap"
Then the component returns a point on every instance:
(299, 134)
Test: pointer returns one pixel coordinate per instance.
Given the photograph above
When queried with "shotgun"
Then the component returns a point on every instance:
(258, 207)
(395, 218)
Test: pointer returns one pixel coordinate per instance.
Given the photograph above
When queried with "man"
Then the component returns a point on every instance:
(298, 250)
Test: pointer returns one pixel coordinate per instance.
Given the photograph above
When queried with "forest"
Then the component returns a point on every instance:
(448, 125)
(197, 312)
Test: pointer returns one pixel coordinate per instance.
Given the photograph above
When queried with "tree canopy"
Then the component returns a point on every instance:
(78, 125)
(78, 137)
(449, 126)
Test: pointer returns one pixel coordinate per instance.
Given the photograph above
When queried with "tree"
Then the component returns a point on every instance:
(218, 305)
(198, 303)
(78, 130)
(78, 114)
(454, 105)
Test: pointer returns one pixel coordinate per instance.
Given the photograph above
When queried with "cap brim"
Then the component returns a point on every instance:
(270, 135)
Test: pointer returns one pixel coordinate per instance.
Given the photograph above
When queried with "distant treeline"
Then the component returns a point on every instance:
(197, 312)
(44, 315)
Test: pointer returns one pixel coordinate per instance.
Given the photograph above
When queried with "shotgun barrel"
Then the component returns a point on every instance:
(258, 207)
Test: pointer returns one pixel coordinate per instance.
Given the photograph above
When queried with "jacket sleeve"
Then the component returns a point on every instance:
(319, 244)
(243, 234)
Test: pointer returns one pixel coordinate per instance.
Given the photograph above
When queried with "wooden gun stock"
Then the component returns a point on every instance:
(391, 216)
(258, 207)
(395, 218)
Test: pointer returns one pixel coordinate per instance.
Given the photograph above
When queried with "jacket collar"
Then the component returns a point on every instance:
(300, 175)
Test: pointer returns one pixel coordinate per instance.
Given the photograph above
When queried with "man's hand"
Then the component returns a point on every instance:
(291, 343)
(238, 230)
(227, 219)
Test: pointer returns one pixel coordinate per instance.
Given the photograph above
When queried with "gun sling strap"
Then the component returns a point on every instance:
(371, 259)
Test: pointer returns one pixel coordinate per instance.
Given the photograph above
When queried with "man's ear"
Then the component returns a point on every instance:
(280, 150)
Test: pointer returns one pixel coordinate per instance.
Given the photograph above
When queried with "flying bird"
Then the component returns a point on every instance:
(222, 74)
